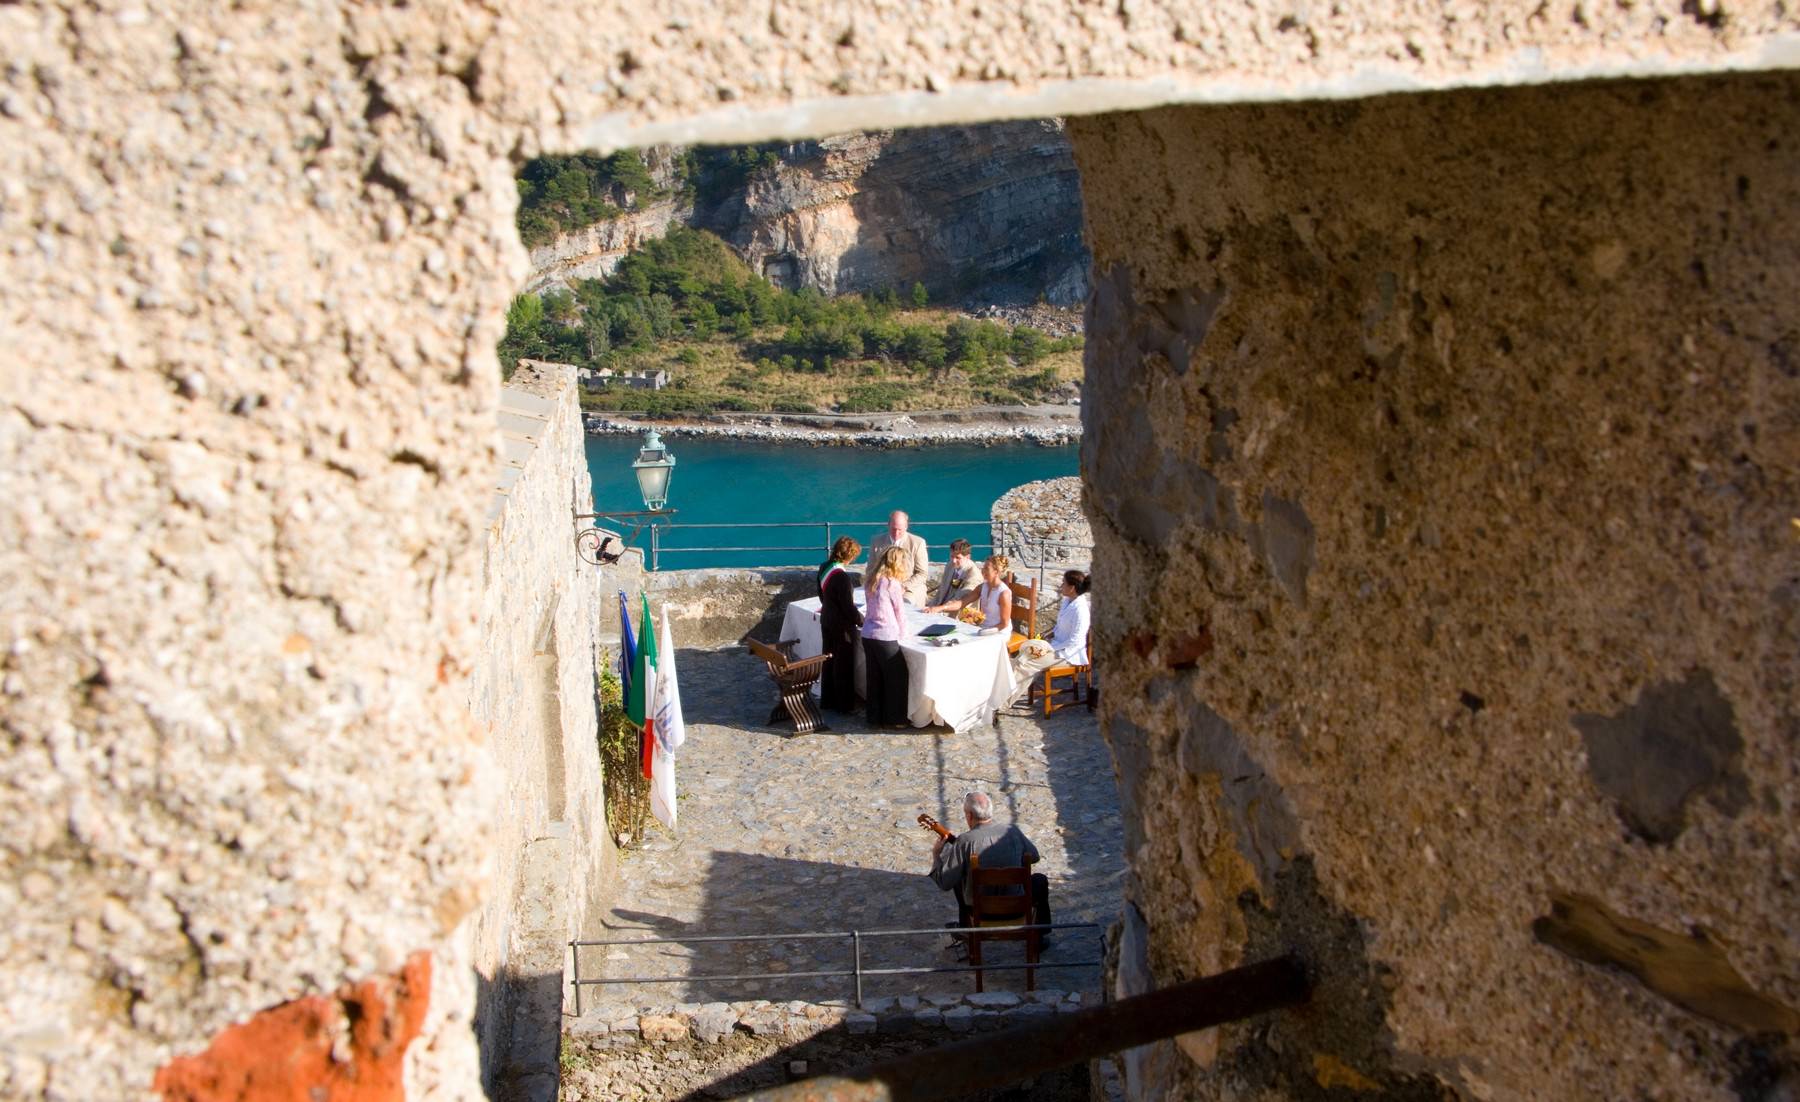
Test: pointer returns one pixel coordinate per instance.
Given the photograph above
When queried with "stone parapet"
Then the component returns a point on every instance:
(1040, 526)
(533, 692)
(719, 607)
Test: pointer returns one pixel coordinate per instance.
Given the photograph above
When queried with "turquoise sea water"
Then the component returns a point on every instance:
(733, 481)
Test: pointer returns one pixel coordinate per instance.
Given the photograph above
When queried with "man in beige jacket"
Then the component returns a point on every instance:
(897, 535)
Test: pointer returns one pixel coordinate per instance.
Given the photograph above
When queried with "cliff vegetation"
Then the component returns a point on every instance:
(559, 195)
(732, 340)
(981, 215)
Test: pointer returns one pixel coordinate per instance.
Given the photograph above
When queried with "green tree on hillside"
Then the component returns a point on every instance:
(560, 195)
(689, 289)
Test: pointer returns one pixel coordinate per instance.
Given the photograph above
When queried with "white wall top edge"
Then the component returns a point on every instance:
(993, 101)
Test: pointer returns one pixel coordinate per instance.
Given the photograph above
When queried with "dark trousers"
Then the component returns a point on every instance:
(884, 684)
(837, 688)
(1040, 900)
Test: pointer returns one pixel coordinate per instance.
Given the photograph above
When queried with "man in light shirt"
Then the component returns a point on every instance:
(961, 577)
(897, 535)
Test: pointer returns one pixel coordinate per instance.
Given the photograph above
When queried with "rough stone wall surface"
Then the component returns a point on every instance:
(1442, 455)
(257, 263)
(677, 73)
(533, 689)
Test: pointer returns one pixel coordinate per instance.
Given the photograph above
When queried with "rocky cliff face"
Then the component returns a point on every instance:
(594, 252)
(979, 214)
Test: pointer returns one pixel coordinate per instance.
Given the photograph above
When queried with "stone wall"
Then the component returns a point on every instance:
(720, 607)
(533, 690)
(1043, 523)
(1441, 451)
(258, 258)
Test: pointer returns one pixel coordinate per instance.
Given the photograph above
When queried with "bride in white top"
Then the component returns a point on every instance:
(1067, 645)
(993, 598)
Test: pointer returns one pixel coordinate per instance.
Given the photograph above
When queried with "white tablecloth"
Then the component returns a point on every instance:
(958, 686)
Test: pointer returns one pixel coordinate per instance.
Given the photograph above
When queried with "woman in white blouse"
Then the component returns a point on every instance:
(1067, 645)
(993, 598)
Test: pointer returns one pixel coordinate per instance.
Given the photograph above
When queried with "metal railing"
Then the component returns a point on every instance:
(1034, 552)
(828, 531)
(855, 971)
(962, 1068)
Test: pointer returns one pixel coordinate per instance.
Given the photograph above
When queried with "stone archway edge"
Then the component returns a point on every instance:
(994, 101)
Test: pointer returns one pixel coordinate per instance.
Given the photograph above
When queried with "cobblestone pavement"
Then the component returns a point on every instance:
(819, 833)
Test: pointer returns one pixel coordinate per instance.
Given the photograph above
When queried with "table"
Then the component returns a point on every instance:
(959, 686)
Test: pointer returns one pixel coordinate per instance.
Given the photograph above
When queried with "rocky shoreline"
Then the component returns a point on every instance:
(1047, 426)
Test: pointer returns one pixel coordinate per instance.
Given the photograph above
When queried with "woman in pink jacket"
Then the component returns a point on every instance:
(884, 625)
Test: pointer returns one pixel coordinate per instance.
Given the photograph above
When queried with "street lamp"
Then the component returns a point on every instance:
(653, 467)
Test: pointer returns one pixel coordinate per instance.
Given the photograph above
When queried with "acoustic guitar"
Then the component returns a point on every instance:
(936, 827)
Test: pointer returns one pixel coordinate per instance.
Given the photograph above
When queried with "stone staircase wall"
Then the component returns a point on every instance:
(533, 695)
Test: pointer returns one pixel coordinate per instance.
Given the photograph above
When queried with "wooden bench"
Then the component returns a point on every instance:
(794, 679)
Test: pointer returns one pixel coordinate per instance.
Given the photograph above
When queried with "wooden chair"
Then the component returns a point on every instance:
(987, 910)
(1079, 677)
(794, 679)
(1024, 612)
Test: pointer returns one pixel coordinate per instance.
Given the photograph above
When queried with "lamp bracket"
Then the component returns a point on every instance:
(602, 547)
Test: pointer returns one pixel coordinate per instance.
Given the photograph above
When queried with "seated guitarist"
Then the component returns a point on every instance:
(999, 847)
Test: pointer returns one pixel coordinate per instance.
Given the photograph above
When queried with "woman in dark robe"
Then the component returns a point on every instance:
(838, 622)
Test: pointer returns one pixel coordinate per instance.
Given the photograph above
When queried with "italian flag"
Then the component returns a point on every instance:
(640, 704)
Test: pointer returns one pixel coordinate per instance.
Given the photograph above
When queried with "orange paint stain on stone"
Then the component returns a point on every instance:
(349, 1047)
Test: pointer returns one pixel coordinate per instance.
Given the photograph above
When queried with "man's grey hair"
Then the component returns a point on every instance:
(978, 806)
(899, 514)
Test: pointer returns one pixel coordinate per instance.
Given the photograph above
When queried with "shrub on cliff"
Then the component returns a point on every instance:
(874, 398)
(563, 194)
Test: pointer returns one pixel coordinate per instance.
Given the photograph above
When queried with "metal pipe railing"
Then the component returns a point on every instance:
(1033, 552)
(856, 969)
(829, 527)
(962, 1068)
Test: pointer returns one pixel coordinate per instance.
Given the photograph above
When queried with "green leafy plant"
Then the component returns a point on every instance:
(626, 791)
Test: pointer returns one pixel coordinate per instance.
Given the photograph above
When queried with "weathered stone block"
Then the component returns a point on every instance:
(992, 999)
(764, 1023)
(662, 1028)
(588, 1025)
(713, 1022)
(859, 1023)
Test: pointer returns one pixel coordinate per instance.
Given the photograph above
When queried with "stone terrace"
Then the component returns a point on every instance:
(819, 832)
